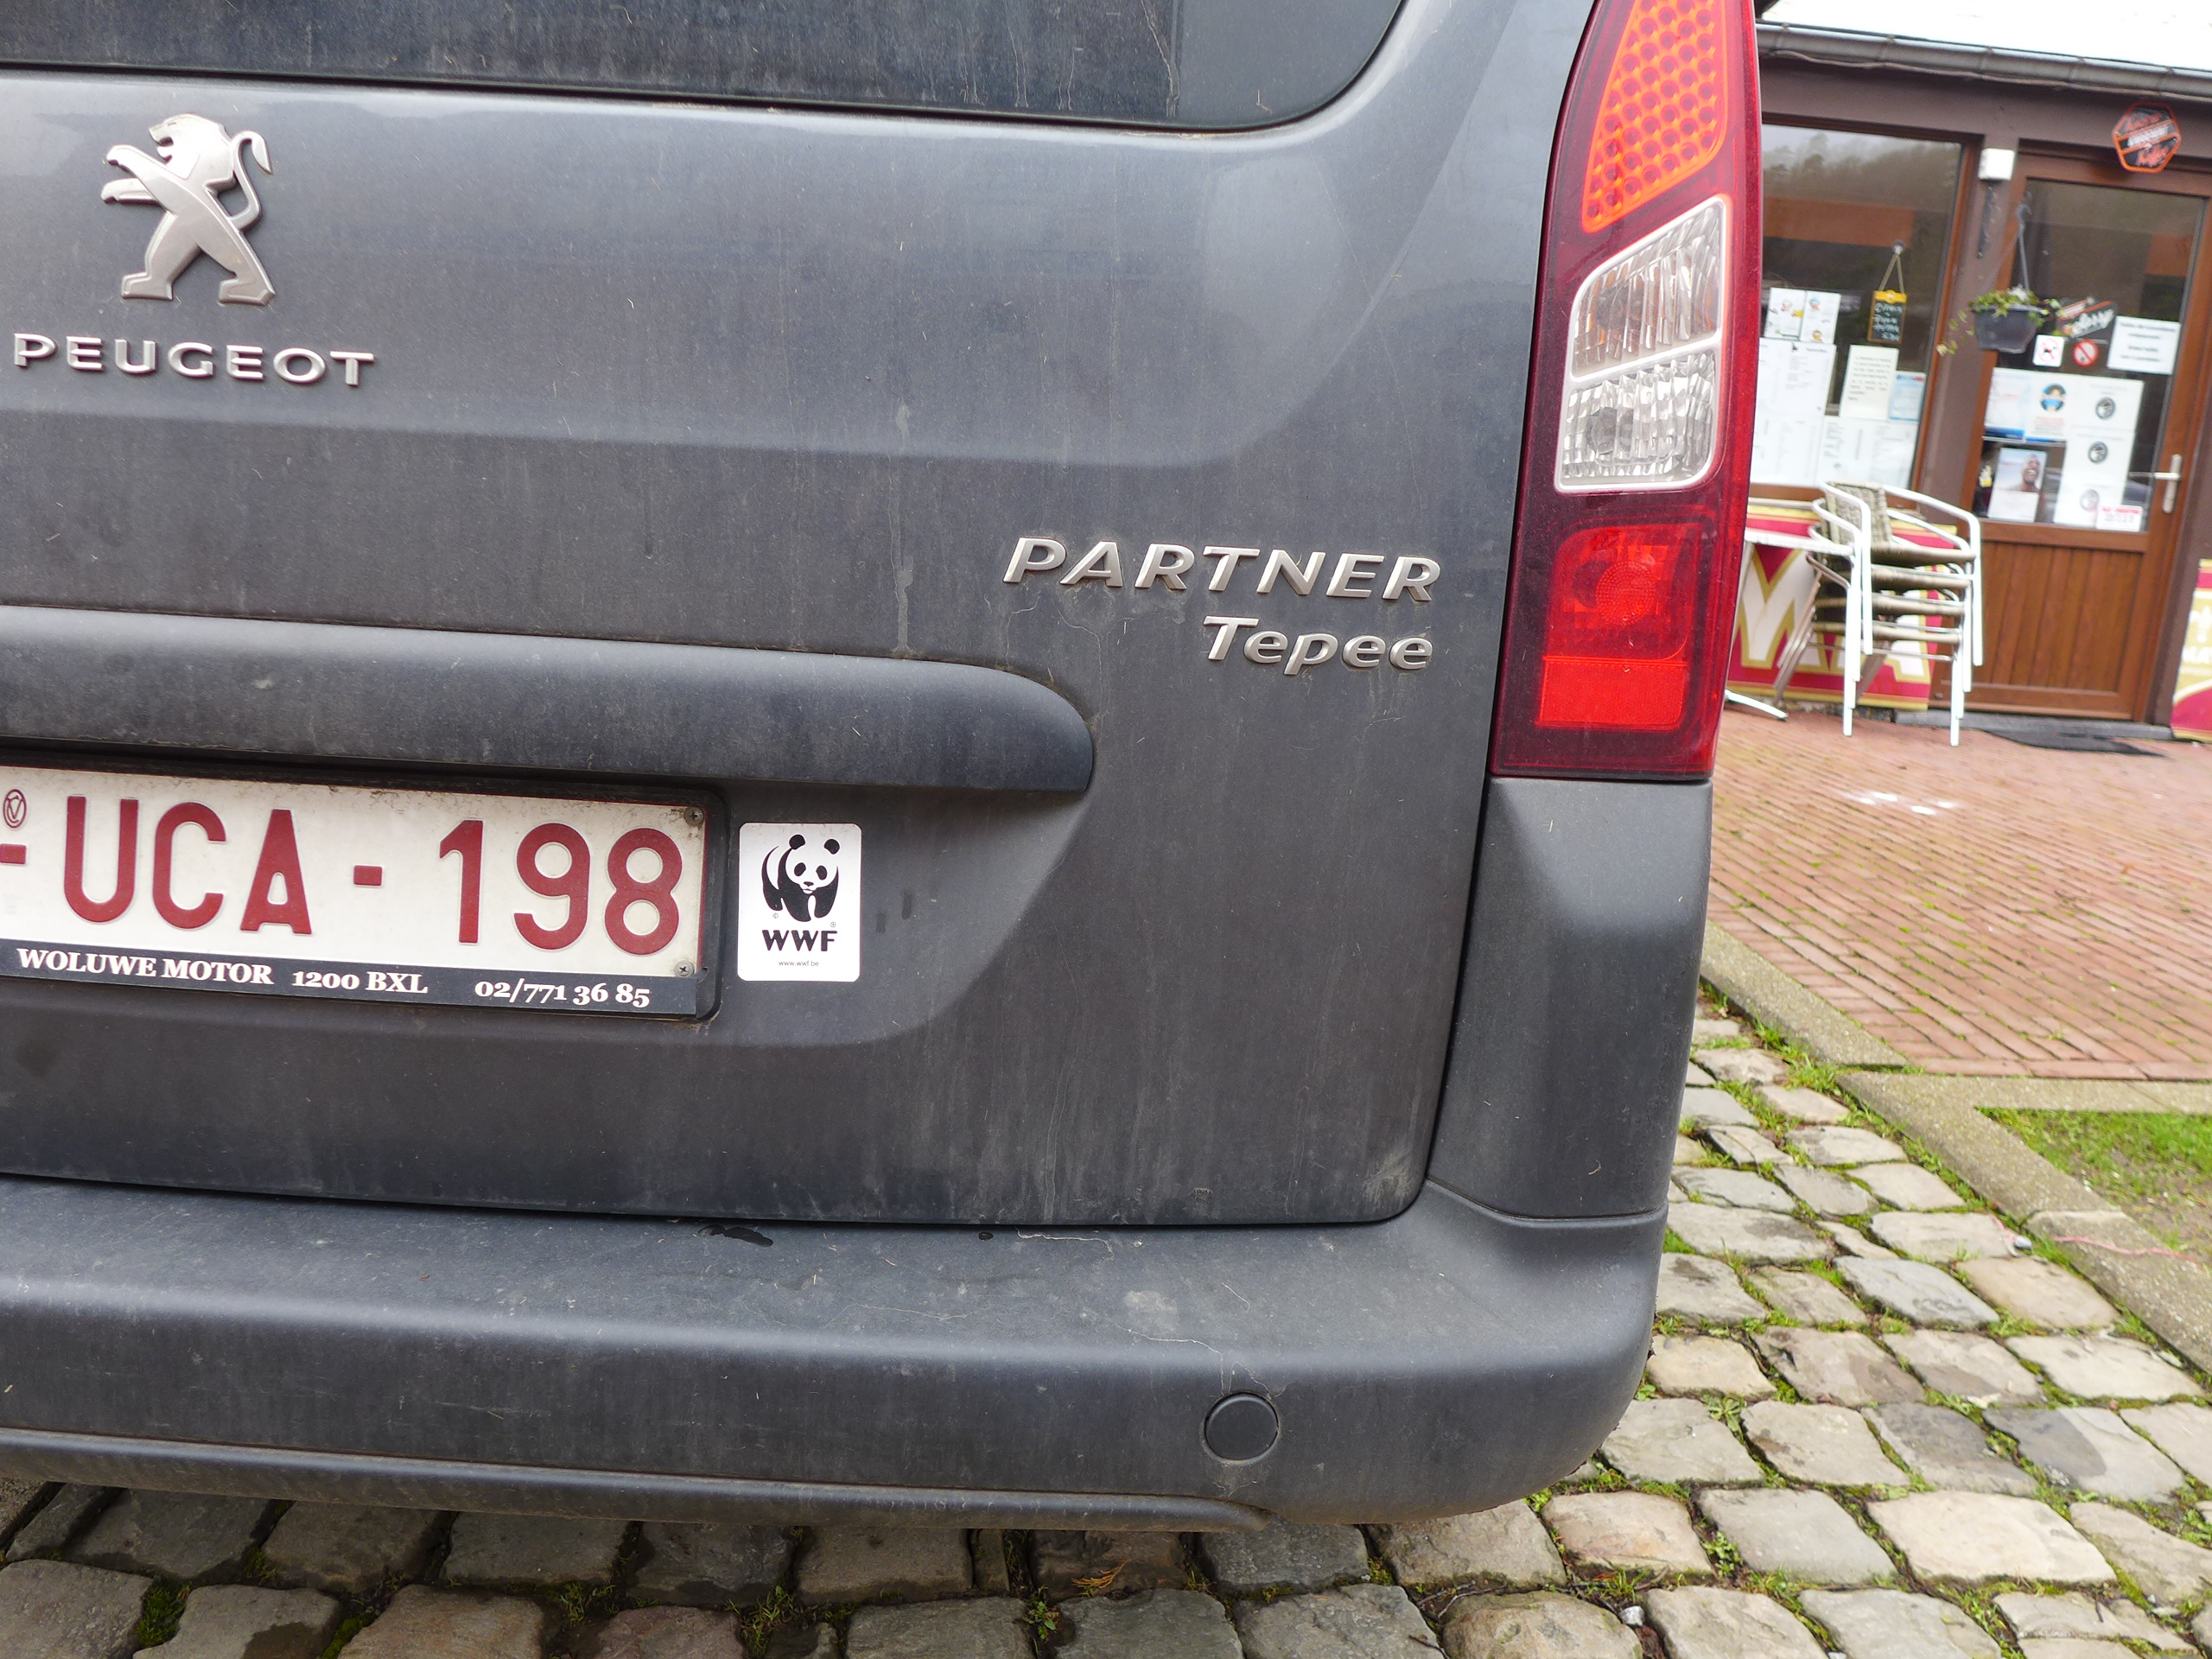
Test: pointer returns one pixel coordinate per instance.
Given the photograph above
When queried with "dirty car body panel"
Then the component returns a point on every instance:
(1099, 515)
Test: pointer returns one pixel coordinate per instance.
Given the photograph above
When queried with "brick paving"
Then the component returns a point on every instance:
(1805, 1473)
(1991, 910)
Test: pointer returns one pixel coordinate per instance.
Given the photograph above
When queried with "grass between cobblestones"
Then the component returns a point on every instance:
(2181, 1515)
(760, 1623)
(157, 1620)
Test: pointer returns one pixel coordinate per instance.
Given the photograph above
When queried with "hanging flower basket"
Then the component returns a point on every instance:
(2005, 320)
(2010, 330)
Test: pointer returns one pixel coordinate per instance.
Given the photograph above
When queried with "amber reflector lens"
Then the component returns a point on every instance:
(1664, 110)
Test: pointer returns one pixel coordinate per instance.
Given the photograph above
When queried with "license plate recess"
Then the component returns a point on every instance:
(285, 886)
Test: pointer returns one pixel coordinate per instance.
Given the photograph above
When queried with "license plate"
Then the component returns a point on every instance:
(368, 894)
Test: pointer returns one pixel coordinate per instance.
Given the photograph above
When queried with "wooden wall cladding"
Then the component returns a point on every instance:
(2058, 628)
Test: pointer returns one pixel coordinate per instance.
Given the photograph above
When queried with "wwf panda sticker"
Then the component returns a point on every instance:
(799, 901)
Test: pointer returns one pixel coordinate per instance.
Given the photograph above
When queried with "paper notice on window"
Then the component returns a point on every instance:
(1820, 310)
(2005, 415)
(1870, 376)
(1893, 450)
(2144, 346)
(1907, 398)
(1847, 448)
(2028, 403)
(1785, 312)
(2018, 486)
(1860, 451)
(2101, 412)
(1793, 396)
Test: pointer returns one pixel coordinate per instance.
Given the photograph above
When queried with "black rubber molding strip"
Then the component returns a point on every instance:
(530, 702)
(609, 1494)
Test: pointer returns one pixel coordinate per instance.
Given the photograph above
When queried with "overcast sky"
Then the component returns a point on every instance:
(2173, 32)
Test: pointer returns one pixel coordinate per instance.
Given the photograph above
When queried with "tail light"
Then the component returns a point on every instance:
(1627, 545)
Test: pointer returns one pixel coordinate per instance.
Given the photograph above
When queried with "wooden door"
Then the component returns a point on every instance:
(2075, 598)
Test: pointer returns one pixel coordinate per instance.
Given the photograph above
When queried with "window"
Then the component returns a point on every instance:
(2074, 421)
(1178, 63)
(1857, 233)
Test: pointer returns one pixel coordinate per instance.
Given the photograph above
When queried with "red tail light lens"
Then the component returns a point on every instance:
(1617, 644)
(1628, 540)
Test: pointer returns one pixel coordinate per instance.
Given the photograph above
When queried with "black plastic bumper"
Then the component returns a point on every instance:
(1447, 1360)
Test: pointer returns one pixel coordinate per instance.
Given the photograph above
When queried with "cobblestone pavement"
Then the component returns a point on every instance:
(1989, 909)
(1875, 1425)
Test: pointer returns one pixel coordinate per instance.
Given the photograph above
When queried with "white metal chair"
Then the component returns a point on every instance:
(1917, 582)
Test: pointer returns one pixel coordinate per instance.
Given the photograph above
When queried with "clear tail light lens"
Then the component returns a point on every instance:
(1643, 377)
(1629, 535)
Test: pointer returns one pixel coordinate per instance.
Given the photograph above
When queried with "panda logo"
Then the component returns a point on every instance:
(801, 884)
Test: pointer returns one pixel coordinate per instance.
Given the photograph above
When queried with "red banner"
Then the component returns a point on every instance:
(1777, 588)
(2193, 684)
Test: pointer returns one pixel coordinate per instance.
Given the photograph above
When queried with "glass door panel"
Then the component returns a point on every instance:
(2074, 429)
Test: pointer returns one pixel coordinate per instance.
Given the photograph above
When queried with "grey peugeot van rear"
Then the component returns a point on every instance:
(853, 761)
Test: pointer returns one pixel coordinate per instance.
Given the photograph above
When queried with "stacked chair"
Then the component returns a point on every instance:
(1904, 577)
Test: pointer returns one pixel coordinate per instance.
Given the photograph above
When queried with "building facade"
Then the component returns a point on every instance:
(1903, 180)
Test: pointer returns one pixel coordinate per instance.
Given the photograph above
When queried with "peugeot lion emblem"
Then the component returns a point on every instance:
(197, 162)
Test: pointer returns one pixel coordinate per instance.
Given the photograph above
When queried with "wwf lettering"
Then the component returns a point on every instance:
(801, 879)
(807, 939)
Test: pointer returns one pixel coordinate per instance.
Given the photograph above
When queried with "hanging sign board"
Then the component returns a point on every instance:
(1885, 316)
(2146, 137)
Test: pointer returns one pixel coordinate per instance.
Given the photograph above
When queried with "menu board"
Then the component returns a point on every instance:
(1793, 398)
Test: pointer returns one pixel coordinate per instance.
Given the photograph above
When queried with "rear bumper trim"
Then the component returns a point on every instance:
(1448, 1359)
(425, 1484)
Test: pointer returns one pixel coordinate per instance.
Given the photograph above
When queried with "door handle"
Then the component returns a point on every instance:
(2172, 477)
(500, 702)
